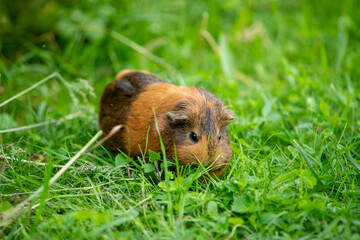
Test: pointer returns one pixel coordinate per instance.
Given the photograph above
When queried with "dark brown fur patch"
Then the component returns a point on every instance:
(116, 101)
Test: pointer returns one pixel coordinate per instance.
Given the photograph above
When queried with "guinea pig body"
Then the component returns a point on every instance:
(190, 119)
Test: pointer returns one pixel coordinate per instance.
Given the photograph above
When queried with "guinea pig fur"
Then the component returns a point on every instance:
(189, 118)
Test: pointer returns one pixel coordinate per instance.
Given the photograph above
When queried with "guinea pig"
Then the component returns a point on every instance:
(190, 119)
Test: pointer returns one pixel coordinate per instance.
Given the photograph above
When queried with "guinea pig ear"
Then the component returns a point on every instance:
(229, 115)
(176, 117)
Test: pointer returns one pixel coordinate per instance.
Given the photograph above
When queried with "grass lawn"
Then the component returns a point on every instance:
(288, 69)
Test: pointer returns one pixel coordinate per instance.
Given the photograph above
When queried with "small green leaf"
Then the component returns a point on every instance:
(266, 110)
(148, 167)
(83, 215)
(252, 180)
(311, 181)
(212, 209)
(233, 186)
(154, 156)
(273, 116)
(177, 184)
(267, 217)
(92, 215)
(243, 142)
(284, 178)
(120, 160)
(4, 206)
(243, 204)
(324, 109)
(326, 133)
(319, 204)
(283, 196)
(7, 122)
(287, 193)
(127, 216)
(162, 185)
(235, 220)
(100, 217)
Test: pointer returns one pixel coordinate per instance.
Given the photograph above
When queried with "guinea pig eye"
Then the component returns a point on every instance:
(194, 137)
(219, 137)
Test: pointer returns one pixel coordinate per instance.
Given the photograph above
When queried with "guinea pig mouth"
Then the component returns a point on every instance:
(215, 163)
(218, 166)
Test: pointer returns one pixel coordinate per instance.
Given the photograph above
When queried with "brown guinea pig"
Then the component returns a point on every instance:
(190, 119)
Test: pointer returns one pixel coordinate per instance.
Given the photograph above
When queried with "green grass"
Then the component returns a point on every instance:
(288, 69)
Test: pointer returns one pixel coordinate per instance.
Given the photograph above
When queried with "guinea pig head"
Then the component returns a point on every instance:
(199, 127)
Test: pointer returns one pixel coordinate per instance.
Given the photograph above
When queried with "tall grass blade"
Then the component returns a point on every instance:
(36, 125)
(353, 161)
(55, 74)
(11, 213)
(227, 63)
(312, 169)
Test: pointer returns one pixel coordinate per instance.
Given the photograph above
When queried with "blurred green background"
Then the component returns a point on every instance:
(64, 35)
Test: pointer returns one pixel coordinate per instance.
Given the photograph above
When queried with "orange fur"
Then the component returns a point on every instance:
(161, 97)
